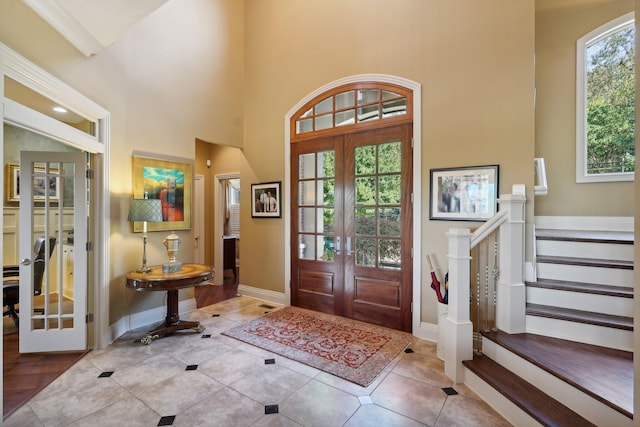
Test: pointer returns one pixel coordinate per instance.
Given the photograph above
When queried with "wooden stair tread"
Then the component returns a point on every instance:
(588, 288)
(614, 237)
(587, 262)
(539, 405)
(580, 316)
(606, 374)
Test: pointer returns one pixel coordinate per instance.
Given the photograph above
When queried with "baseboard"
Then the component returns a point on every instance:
(427, 332)
(145, 318)
(262, 294)
(598, 223)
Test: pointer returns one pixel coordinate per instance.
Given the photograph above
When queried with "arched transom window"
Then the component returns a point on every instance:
(374, 104)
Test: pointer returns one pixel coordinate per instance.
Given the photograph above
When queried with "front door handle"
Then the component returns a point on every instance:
(348, 248)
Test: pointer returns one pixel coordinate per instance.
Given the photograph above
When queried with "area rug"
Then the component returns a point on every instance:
(352, 350)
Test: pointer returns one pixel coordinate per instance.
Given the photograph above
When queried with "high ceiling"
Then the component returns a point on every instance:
(91, 25)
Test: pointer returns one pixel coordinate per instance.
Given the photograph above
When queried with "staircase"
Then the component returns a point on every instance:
(574, 364)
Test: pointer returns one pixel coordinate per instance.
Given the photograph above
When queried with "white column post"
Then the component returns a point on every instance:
(511, 298)
(458, 328)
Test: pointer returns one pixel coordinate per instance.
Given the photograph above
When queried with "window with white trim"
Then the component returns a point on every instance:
(605, 102)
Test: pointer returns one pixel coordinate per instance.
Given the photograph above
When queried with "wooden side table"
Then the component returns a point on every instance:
(155, 280)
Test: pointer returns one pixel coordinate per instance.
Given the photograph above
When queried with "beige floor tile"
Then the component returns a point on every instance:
(412, 398)
(270, 384)
(136, 414)
(175, 394)
(232, 385)
(59, 409)
(463, 411)
(424, 367)
(23, 417)
(231, 366)
(376, 416)
(318, 405)
(226, 408)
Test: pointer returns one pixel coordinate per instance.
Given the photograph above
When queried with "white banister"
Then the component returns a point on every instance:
(510, 305)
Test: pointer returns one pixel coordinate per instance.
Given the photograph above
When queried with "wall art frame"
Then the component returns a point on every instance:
(464, 193)
(167, 179)
(266, 200)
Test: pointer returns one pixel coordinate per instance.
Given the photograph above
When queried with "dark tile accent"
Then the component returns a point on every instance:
(167, 421)
(191, 367)
(409, 350)
(206, 336)
(269, 361)
(450, 391)
(215, 315)
(270, 409)
(105, 374)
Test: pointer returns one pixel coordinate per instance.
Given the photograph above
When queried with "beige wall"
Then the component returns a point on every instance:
(473, 59)
(177, 76)
(174, 77)
(557, 30)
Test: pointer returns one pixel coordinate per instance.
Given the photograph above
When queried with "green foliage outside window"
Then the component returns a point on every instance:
(611, 103)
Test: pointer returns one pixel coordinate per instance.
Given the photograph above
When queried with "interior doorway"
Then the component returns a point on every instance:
(227, 225)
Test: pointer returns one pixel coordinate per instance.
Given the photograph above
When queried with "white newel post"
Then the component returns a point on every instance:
(511, 298)
(458, 328)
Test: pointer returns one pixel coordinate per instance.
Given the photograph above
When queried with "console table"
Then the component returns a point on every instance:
(155, 280)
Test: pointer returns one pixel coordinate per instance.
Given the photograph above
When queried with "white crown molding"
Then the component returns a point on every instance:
(67, 25)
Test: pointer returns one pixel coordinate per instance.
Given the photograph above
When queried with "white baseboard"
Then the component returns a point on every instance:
(427, 332)
(263, 294)
(147, 317)
(607, 223)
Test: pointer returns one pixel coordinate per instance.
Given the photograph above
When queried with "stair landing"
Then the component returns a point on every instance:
(605, 374)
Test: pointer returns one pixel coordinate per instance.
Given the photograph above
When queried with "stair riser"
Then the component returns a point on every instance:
(585, 250)
(585, 274)
(581, 301)
(580, 332)
(588, 407)
(507, 409)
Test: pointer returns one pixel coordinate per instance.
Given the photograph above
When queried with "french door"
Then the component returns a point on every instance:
(53, 286)
(352, 225)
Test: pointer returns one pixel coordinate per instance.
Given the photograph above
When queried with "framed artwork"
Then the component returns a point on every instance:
(266, 200)
(464, 194)
(170, 181)
(41, 185)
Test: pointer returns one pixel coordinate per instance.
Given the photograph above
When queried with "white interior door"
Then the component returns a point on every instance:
(53, 203)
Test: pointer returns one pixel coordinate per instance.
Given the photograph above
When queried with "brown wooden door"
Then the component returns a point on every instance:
(352, 226)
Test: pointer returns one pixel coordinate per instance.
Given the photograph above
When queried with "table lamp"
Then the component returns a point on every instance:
(145, 210)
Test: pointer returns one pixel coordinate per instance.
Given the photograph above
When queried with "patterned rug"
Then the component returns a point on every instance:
(349, 349)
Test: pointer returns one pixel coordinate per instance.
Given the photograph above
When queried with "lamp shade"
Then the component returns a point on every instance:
(149, 210)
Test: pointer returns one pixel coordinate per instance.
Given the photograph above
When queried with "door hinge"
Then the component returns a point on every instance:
(90, 174)
(411, 197)
(412, 143)
(412, 306)
(89, 246)
(89, 317)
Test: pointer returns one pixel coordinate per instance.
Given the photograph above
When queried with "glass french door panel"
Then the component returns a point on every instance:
(390, 223)
(307, 220)
(390, 157)
(390, 253)
(52, 186)
(306, 246)
(306, 166)
(307, 193)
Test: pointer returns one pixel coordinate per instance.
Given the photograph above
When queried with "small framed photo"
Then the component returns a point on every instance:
(464, 194)
(41, 184)
(266, 200)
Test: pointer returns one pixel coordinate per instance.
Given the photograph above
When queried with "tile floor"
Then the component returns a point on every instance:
(188, 379)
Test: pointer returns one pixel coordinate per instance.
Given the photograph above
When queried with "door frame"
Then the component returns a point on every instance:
(416, 88)
(25, 72)
(218, 228)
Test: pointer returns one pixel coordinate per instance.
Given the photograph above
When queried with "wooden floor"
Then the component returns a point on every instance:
(24, 375)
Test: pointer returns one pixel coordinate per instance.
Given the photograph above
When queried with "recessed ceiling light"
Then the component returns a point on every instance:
(59, 109)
